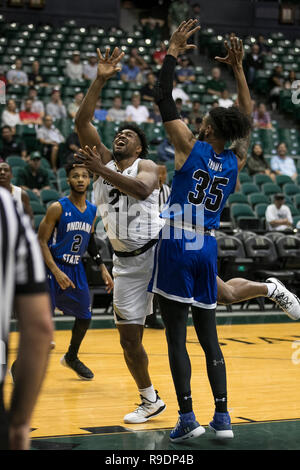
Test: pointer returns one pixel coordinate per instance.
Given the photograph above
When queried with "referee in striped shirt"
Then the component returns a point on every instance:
(22, 288)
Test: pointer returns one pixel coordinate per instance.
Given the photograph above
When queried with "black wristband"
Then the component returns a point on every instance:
(93, 250)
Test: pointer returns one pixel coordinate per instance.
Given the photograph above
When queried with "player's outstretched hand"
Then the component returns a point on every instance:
(109, 65)
(235, 52)
(107, 278)
(63, 280)
(178, 42)
(91, 158)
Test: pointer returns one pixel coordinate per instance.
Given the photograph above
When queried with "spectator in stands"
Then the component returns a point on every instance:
(281, 164)
(215, 85)
(11, 145)
(140, 62)
(55, 108)
(290, 80)
(264, 48)
(261, 117)
(116, 112)
(32, 176)
(10, 116)
(257, 164)
(135, 111)
(159, 55)
(186, 73)
(183, 114)
(27, 116)
(278, 215)
(155, 115)
(74, 67)
(17, 76)
(72, 146)
(165, 151)
(3, 75)
(178, 92)
(131, 72)
(90, 69)
(178, 11)
(35, 77)
(195, 113)
(152, 28)
(74, 105)
(37, 105)
(50, 137)
(276, 85)
(100, 113)
(147, 91)
(225, 101)
(254, 61)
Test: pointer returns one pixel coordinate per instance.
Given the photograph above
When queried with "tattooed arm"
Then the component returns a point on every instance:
(240, 148)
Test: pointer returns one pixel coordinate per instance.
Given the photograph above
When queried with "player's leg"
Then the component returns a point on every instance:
(132, 303)
(175, 315)
(205, 326)
(238, 290)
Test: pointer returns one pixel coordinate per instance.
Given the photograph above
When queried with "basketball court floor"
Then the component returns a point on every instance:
(262, 352)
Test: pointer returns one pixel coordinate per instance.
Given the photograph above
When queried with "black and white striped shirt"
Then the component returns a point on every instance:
(164, 193)
(22, 269)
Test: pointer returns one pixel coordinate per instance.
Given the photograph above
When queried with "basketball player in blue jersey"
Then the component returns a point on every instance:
(183, 276)
(65, 234)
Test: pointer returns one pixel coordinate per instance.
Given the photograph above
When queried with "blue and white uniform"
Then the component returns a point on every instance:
(185, 266)
(68, 244)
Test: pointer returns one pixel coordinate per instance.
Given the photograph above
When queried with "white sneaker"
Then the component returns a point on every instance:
(146, 410)
(286, 300)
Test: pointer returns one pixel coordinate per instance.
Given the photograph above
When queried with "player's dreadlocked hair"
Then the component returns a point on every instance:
(229, 124)
(142, 136)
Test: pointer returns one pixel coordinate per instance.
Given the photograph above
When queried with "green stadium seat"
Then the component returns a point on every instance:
(37, 207)
(258, 198)
(16, 161)
(260, 210)
(239, 211)
(283, 179)
(32, 196)
(248, 188)
(261, 179)
(37, 220)
(63, 185)
(48, 195)
(245, 178)
(237, 198)
(270, 188)
(297, 201)
(290, 189)
(293, 209)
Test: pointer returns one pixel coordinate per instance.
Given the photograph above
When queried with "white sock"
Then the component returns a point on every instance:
(271, 288)
(148, 393)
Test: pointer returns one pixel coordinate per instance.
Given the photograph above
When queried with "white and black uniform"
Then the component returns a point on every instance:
(132, 226)
(22, 271)
(17, 197)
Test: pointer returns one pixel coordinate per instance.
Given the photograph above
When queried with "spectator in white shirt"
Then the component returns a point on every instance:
(179, 93)
(225, 101)
(90, 69)
(74, 68)
(281, 164)
(10, 116)
(278, 215)
(55, 107)
(17, 76)
(74, 106)
(116, 112)
(135, 111)
(50, 137)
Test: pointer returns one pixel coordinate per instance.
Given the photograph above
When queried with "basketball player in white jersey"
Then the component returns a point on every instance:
(126, 192)
(19, 195)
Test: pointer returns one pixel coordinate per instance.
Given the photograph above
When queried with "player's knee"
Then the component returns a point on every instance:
(226, 295)
(130, 344)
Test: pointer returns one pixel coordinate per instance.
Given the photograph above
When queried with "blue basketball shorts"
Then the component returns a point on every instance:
(75, 302)
(186, 275)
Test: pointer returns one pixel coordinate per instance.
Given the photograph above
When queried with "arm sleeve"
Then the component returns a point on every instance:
(163, 90)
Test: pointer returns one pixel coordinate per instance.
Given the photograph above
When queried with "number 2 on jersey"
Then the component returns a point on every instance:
(215, 194)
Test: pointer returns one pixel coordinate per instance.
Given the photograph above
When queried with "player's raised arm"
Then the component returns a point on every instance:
(88, 135)
(181, 136)
(234, 58)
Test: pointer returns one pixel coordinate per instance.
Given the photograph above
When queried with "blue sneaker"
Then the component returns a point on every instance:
(221, 425)
(186, 428)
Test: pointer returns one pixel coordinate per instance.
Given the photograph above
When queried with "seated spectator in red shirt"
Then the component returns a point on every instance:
(160, 54)
(29, 117)
(261, 117)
